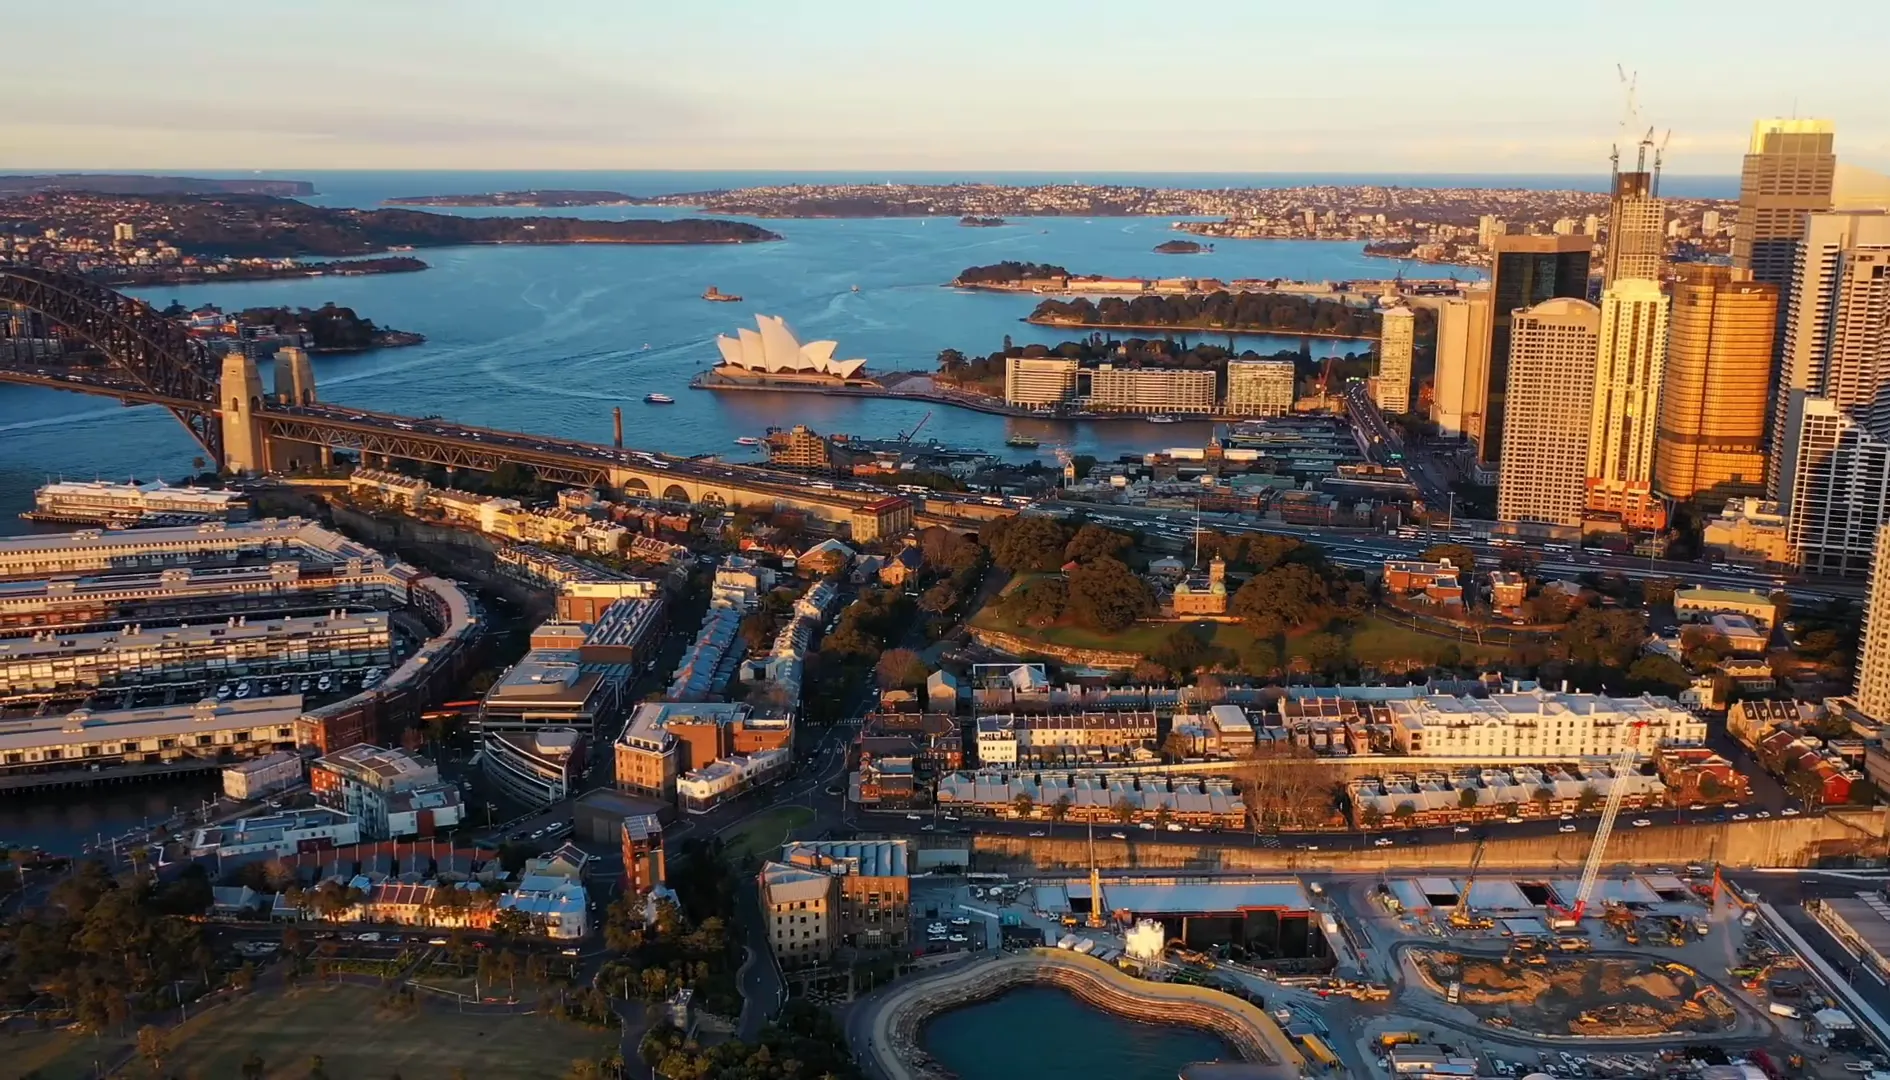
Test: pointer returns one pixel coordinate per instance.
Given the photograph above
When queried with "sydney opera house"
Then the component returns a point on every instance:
(771, 354)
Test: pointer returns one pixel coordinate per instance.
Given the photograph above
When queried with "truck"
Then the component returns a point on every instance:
(1780, 1009)
(1317, 1049)
(1397, 1038)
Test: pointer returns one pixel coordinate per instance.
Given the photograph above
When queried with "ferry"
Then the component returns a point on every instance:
(658, 399)
(1022, 440)
(717, 296)
(1162, 420)
(747, 440)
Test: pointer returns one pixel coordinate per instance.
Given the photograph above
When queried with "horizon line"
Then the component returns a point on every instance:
(20, 170)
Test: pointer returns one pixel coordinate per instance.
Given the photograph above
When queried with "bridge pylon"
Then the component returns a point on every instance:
(239, 405)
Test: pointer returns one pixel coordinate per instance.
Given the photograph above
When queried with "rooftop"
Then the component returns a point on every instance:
(544, 675)
(868, 858)
(139, 638)
(784, 884)
(85, 725)
(1180, 896)
(378, 766)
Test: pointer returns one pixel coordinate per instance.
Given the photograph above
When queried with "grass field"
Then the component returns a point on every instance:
(1371, 641)
(58, 1055)
(357, 1037)
(762, 835)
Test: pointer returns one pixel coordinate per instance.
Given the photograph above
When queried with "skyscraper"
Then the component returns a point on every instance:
(1637, 230)
(1552, 350)
(1463, 364)
(1836, 493)
(1710, 442)
(1835, 339)
(1629, 360)
(1526, 271)
(1788, 173)
(1873, 664)
(1789, 170)
(1397, 337)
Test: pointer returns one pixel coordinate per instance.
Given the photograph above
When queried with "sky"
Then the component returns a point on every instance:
(1371, 86)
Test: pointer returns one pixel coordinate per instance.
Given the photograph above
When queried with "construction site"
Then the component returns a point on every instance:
(1562, 996)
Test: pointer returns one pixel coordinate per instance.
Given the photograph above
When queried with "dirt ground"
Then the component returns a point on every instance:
(1577, 996)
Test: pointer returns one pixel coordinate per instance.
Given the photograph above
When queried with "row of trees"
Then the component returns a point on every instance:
(1250, 311)
(1008, 271)
(804, 1043)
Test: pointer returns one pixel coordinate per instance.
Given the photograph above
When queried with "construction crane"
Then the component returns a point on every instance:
(907, 437)
(1460, 915)
(1617, 791)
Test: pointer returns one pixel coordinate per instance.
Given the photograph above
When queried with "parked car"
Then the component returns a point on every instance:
(1566, 828)
(1641, 823)
(1383, 841)
(1461, 829)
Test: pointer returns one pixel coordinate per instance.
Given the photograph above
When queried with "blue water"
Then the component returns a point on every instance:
(1046, 1034)
(549, 339)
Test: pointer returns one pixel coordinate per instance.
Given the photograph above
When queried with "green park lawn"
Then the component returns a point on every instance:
(59, 1055)
(356, 1036)
(1372, 640)
(761, 836)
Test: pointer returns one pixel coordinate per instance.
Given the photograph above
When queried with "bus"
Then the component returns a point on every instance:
(1317, 1049)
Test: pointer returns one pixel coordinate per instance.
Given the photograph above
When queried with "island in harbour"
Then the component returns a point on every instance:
(1216, 312)
(550, 198)
(1009, 276)
(327, 329)
(1181, 247)
(972, 221)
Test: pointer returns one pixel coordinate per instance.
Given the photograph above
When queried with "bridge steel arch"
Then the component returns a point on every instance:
(156, 352)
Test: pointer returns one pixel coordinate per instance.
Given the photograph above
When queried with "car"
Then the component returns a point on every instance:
(1195, 828)
(1145, 826)
(568, 950)
(1118, 836)
(958, 939)
(1730, 805)
(1036, 832)
(369, 936)
(1566, 828)
(393, 939)
(1513, 820)
(928, 827)
(1790, 811)
(914, 817)
(1641, 823)
(1312, 847)
(1461, 829)
(1697, 806)
(324, 683)
(242, 690)
(1383, 841)
(302, 686)
(961, 921)
(436, 941)
(1763, 814)
(1567, 817)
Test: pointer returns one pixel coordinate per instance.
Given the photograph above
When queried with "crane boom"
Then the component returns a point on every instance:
(1617, 791)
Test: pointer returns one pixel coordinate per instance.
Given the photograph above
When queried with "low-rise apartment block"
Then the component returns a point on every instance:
(108, 740)
(1100, 797)
(1748, 532)
(1260, 387)
(1153, 390)
(1539, 725)
(51, 664)
(556, 688)
(261, 777)
(390, 793)
(1421, 800)
(667, 740)
(309, 829)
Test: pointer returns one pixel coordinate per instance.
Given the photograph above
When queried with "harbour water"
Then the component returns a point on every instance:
(551, 338)
(1047, 1034)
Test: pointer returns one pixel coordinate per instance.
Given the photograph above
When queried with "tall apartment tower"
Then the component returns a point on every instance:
(1873, 665)
(1837, 491)
(1710, 442)
(1629, 361)
(1525, 271)
(1637, 229)
(1835, 339)
(1552, 349)
(1463, 364)
(1396, 342)
(1042, 380)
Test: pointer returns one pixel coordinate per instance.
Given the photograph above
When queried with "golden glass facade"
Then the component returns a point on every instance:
(1711, 438)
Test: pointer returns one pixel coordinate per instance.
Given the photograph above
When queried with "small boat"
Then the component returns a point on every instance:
(1162, 420)
(646, 346)
(1022, 440)
(856, 288)
(747, 440)
(717, 296)
(658, 399)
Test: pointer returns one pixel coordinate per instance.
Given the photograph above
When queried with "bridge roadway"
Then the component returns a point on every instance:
(455, 445)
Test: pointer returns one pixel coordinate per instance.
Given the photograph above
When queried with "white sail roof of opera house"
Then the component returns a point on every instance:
(774, 348)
